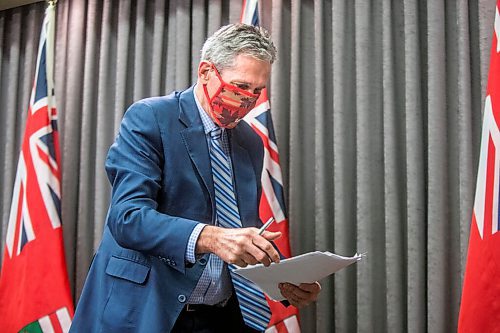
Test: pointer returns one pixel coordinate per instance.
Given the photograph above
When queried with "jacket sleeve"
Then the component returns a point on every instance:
(134, 167)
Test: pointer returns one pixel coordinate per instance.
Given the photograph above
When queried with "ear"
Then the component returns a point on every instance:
(203, 71)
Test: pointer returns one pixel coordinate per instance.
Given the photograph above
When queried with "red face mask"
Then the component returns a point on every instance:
(229, 104)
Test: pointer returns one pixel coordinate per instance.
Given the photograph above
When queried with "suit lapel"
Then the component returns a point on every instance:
(195, 141)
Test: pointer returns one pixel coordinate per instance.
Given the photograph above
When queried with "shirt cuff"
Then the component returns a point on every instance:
(190, 250)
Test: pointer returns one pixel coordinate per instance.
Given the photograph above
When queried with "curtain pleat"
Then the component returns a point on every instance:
(467, 129)
(415, 184)
(377, 107)
(392, 103)
(108, 115)
(323, 151)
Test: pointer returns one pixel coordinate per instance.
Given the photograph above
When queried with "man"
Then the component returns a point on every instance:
(185, 175)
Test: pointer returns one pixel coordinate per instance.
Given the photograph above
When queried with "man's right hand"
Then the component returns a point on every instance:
(240, 246)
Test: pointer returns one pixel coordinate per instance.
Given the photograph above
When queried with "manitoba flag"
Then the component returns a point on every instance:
(272, 204)
(34, 288)
(480, 306)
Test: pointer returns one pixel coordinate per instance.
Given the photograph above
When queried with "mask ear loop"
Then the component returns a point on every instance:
(212, 113)
(221, 86)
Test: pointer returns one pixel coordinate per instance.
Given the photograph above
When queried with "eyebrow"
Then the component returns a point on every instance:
(240, 83)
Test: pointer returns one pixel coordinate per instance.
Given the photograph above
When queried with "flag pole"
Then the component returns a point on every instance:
(51, 9)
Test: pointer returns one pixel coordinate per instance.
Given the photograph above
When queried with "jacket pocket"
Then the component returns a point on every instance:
(127, 269)
(124, 307)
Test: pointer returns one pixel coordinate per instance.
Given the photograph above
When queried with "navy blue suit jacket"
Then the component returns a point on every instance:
(159, 168)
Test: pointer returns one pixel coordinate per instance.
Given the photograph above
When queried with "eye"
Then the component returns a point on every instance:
(242, 86)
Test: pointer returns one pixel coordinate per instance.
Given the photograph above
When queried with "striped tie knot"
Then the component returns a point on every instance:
(216, 133)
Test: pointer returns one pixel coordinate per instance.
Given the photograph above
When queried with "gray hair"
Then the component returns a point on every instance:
(234, 39)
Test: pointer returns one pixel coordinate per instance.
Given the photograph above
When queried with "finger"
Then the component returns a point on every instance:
(286, 294)
(265, 246)
(249, 259)
(241, 259)
(265, 260)
(270, 235)
(239, 263)
(314, 287)
(299, 293)
(259, 255)
(291, 297)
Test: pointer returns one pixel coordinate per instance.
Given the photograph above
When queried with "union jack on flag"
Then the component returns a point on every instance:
(38, 176)
(34, 287)
(479, 308)
(272, 203)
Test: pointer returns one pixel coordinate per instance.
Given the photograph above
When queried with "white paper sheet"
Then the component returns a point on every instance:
(305, 268)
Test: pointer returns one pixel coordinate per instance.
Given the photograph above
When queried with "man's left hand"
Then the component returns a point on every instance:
(301, 295)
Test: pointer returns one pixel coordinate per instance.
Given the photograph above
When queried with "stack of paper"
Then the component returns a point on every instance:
(305, 268)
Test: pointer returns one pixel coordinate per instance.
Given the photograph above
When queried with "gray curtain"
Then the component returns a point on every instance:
(377, 107)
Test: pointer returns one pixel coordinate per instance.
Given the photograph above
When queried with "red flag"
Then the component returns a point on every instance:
(34, 287)
(272, 203)
(480, 306)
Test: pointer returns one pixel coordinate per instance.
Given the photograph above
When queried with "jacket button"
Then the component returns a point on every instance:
(203, 261)
(181, 298)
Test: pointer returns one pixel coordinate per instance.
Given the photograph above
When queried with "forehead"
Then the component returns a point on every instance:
(249, 70)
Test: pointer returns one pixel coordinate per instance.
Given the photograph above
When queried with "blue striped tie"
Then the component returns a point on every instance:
(253, 304)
